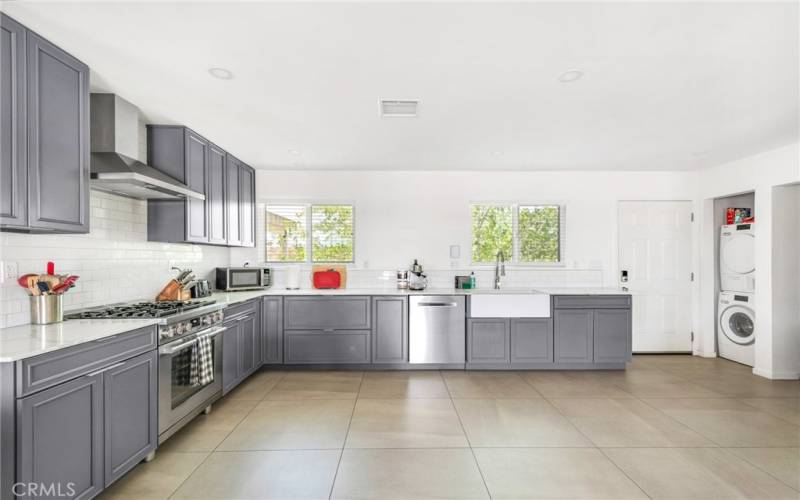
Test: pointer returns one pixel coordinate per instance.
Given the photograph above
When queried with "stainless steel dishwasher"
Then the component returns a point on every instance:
(437, 329)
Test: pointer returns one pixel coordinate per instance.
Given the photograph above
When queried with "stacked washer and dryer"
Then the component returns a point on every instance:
(736, 332)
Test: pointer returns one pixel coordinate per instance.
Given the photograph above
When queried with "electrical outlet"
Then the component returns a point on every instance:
(10, 271)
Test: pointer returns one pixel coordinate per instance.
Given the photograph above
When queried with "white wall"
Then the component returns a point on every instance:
(786, 281)
(759, 173)
(115, 261)
(401, 216)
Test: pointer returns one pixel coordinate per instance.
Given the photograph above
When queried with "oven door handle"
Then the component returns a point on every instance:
(172, 349)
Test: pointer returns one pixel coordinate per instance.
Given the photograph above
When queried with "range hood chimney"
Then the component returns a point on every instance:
(115, 144)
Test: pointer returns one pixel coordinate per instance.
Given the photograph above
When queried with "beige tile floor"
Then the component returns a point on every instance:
(674, 427)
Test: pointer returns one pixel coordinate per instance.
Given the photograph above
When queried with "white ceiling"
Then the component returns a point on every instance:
(665, 86)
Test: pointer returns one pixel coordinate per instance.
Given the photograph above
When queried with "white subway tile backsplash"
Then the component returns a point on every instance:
(115, 261)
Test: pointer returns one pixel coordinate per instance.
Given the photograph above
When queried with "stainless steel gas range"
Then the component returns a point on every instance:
(181, 326)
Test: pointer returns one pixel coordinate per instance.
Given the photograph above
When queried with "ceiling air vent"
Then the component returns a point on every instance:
(394, 107)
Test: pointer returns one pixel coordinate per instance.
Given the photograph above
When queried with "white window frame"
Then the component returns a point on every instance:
(515, 205)
(309, 235)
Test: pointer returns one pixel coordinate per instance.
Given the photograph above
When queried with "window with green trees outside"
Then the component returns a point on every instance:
(309, 233)
(526, 234)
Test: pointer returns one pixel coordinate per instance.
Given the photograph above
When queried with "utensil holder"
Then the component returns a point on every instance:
(46, 309)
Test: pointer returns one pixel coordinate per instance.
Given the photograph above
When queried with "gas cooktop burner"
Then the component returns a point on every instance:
(140, 310)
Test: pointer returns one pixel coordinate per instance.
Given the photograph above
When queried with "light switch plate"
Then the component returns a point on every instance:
(455, 252)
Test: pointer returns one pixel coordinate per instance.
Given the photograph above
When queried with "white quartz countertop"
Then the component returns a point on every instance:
(26, 341)
(245, 295)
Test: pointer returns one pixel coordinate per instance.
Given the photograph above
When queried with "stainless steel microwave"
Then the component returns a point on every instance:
(243, 278)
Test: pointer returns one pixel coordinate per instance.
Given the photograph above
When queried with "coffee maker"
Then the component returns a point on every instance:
(416, 278)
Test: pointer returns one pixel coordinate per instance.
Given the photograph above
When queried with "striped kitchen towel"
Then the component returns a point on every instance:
(202, 369)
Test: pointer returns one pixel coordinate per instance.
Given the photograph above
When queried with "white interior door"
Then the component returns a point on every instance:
(655, 243)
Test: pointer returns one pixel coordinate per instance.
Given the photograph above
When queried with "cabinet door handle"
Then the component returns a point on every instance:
(107, 368)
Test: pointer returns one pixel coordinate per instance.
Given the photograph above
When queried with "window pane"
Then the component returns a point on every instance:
(539, 233)
(332, 233)
(492, 231)
(286, 233)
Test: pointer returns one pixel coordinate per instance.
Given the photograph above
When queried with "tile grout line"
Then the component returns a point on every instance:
(756, 466)
(210, 453)
(466, 436)
(346, 435)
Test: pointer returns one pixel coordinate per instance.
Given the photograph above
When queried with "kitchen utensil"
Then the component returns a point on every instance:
(23, 280)
(327, 279)
(44, 287)
(46, 309)
(51, 268)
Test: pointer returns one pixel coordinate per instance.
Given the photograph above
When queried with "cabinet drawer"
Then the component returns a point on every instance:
(315, 346)
(339, 313)
(591, 301)
(47, 370)
(248, 307)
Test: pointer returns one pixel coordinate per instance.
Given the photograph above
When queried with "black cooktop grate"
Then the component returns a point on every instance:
(140, 310)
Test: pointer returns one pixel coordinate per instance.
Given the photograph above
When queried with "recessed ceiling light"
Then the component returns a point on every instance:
(399, 107)
(570, 76)
(498, 153)
(221, 73)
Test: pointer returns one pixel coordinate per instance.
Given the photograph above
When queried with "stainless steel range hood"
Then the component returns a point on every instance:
(115, 143)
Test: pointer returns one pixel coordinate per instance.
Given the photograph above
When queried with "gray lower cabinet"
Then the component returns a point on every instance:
(80, 436)
(337, 313)
(44, 163)
(326, 346)
(389, 329)
(241, 345)
(573, 332)
(60, 438)
(272, 330)
(488, 341)
(130, 401)
(531, 340)
(612, 335)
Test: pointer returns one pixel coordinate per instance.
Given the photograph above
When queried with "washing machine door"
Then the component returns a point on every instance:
(738, 324)
(737, 253)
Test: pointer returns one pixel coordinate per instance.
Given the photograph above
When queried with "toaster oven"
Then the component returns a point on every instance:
(230, 279)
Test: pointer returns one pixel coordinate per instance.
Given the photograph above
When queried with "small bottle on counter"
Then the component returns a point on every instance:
(472, 283)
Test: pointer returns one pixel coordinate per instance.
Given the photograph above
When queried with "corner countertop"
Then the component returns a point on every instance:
(26, 341)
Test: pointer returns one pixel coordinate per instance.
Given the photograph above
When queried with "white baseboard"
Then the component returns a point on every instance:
(703, 354)
(776, 375)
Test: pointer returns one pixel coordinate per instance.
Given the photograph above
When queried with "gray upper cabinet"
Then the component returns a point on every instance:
(226, 216)
(390, 330)
(612, 335)
(272, 330)
(60, 437)
(197, 160)
(488, 341)
(573, 331)
(45, 136)
(247, 206)
(232, 212)
(130, 403)
(531, 340)
(215, 196)
(13, 167)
